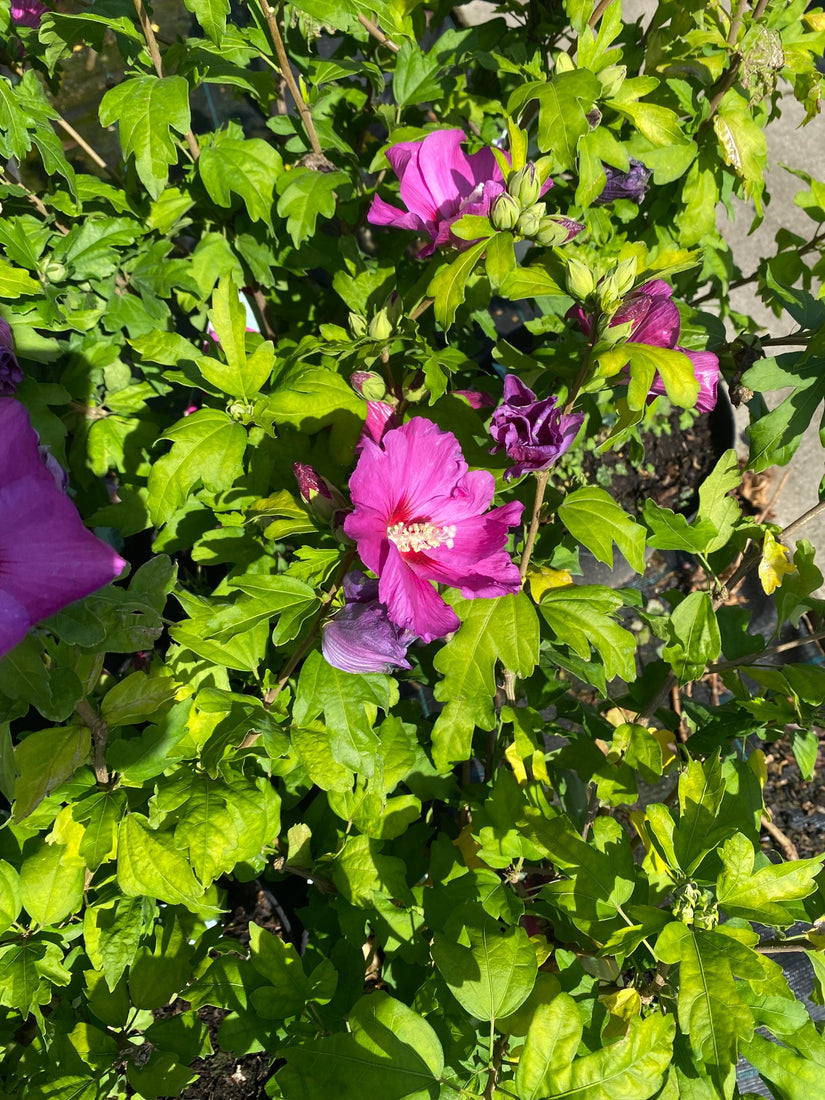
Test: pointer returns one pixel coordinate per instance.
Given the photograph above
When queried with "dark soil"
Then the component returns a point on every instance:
(796, 805)
(676, 462)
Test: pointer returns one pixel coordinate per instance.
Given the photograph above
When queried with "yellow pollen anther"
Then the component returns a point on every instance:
(415, 537)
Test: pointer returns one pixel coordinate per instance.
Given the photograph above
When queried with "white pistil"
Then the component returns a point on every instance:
(415, 537)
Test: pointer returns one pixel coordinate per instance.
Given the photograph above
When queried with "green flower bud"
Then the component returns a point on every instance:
(611, 79)
(504, 213)
(556, 230)
(616, 284)
(357, 326)
(525, 185)
(529, 222)
(380, 326)
(580, 281)
(369, 384)
(55, 271)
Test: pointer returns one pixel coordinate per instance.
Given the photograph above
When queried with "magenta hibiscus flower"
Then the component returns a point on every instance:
(654, 320)
(421, 516)
(440, 183)
(48, 558)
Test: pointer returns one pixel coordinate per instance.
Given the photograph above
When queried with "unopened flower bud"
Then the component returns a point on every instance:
(525, 185)
(580, 281)
(380, 327)
(616, 284)
(54, 271)
(322, 497)
(611, 80)
(357, 326)
(555, 230)
(368, 384)
(530, 221)
(395, 308)
(505, 212)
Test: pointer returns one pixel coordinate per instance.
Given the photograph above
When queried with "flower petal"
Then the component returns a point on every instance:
(412, 602)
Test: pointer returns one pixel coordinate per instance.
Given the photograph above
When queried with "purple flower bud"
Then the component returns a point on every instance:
(533, 432)
(322, 497)
(476, 399)
(361, 638)
(631, 185)
(10, 373)
(27, 13)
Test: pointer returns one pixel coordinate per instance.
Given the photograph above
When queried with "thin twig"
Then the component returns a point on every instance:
(766, 511)
(154, 54)
(730, 75)
(100, 736)
(772, 651)
(789, 849)
(91, 153)
(378, 34)
(422, 307)
(535, 519)
(598, 12)
(592, 809)
(806, 517)
(35, 200)
(286, 71)
(736, 22)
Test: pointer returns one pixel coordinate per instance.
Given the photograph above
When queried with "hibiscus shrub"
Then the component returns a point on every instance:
(332, 763)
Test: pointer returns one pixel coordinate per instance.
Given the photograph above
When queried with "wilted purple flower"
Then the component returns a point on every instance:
(361, 638)
(533, 432)
(10, 373)
(48, 559)
(27, 13)
(631, 185)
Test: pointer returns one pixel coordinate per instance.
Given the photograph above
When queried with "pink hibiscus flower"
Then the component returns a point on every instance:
(27, 13)
(421, 516)
(48, 558)
(440, 183)
(654, 320)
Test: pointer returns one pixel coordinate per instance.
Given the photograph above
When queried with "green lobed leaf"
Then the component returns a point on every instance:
(597, 521)
(304, 195)
(43, 761)
(711, 1007)
(147, 109)
(150, 865)
(564, 103)
(758, 895)
(390, 1052)
(494, 975)
(580, 616)
(694, 636)
(449, 284)
(505, 629)
(248, 167)
(211, 14)
(207, 447)
(349, 703)
(51, 884)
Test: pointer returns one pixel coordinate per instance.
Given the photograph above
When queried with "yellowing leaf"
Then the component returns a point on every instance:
(516, 763)
(542, 579)
(774, 564)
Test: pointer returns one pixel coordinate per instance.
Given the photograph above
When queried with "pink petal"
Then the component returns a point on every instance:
(412, 602)
(445, 170)
(382, 213)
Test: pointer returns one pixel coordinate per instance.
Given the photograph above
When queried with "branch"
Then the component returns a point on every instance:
(286, 71)
(91, 153)
(100, 736)
(378, 34)
(154, 53)
(598, 12)
(535, 519)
